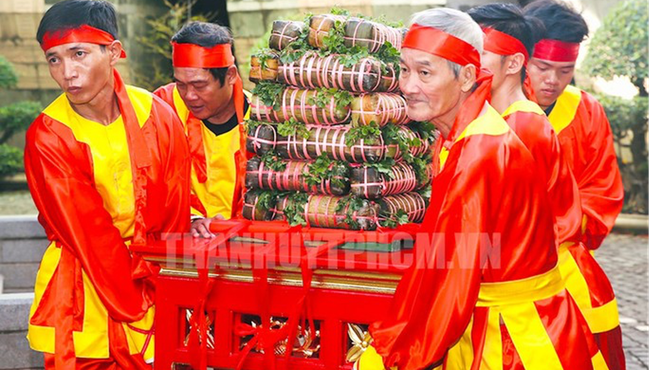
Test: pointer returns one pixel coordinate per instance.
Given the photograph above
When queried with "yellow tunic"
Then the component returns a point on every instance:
(216, 194)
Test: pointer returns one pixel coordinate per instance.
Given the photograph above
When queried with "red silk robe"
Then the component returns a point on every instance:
(490, 255)
(585, 280)
(218, 162)
(99, 189)
(587, 144)
(530, 124)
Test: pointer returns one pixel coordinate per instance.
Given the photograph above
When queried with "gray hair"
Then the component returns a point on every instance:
(455, 23)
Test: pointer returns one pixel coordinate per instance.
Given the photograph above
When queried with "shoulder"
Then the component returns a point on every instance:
(149, 106)
(590, 102)
(591, 114)
(166, 92)
(48, 127)
(489, 127)
(493, 143)
(52, 141)
(529, 122)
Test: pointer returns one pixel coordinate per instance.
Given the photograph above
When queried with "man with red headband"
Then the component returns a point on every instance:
(484, 290)
(510, 37)
(209, 99)
(108, 167)
(578, 119)
(587, 144)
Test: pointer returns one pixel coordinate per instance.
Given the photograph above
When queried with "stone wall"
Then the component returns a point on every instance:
(14, 348)
(22, 243)
(19, 21)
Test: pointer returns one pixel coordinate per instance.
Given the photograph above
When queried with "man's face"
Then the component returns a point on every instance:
(202, 93)
(549, 79)
(82, 70)
(431, 90)
(496, 64)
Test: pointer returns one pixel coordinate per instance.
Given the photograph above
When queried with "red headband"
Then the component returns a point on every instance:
(503, 44)
(83, 33)
(442, 44)
(556, 51)
(195, 56)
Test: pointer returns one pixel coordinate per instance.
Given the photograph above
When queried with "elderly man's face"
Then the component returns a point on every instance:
(431, 90)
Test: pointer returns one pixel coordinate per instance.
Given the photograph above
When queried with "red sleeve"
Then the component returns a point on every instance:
(59, 174)
(175, 154)
(601, 188)
(564, 195)
(166, 93)
(435, 300)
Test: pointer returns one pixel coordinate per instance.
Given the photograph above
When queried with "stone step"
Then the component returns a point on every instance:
(22, 244)
(14, 348)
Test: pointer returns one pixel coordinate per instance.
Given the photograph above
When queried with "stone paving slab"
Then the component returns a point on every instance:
(625, 260)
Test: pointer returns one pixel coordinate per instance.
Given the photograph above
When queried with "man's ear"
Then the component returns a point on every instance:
(515, 63)
(231, 75)
(115, 50)
(467, 77)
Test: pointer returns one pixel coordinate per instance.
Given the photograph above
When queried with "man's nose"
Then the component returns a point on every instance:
(69, 70)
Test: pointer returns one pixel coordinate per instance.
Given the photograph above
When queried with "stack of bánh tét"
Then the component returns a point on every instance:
(333, 144)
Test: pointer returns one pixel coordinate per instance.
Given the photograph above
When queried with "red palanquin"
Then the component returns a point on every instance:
(340, 282)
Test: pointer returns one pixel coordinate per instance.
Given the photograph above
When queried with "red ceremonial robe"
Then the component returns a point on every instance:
(99, 189)
(585, 279)
(485, 281)
(587, 144)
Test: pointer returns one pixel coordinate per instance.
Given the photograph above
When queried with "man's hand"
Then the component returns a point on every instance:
(201, 227)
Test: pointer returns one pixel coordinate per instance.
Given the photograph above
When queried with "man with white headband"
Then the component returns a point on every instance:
(484, 290)
(208, 97)
(108, 167)
(510, 35)
(586, 140)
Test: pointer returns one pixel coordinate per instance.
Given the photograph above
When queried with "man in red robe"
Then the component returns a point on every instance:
(485, 290)
(510, 37)
(578, 119)
(587, 144)
(108, 167)
(208, 97)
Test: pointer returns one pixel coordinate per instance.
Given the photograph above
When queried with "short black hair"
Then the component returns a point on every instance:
(511, 20)
(205, 35)
(562, 22)
(70, 14)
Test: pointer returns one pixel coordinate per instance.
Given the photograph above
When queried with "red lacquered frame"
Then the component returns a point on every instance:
(346, 287)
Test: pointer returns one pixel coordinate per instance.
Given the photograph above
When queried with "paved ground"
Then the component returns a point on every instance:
(625, 259)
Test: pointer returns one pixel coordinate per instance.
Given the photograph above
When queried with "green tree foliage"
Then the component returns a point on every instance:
(620, 48)
(14, 118)
(8, 76)
(11, 160)
(156, 70)
(629, 121)
(17, 117)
